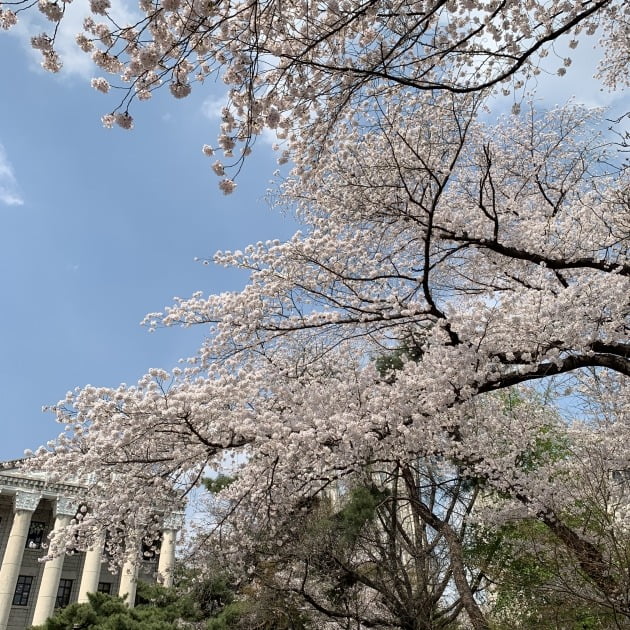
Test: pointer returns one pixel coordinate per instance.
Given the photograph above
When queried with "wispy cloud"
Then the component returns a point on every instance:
(9, 190)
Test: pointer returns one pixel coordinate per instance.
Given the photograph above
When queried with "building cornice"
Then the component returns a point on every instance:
(13, 483)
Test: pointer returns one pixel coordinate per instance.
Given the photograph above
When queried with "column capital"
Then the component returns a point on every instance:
(65, 506)
(27, 501)
(174, 520)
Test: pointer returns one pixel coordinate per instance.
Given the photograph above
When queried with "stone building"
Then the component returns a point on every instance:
(30, 590)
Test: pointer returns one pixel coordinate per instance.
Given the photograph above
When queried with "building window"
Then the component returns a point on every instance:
(621, 476)
(63, 593)
(22, 590)
(104, 587)
(35, 536)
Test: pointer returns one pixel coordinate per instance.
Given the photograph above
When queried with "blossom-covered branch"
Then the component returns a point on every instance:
(300, 69)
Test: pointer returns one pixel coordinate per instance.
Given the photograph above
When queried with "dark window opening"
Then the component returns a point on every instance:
(104, 587)
(35, 536)
(63, 593)
(22, 590)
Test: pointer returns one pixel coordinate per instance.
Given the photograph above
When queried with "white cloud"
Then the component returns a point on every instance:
(9, 190)
(75, 61)
(212, 106)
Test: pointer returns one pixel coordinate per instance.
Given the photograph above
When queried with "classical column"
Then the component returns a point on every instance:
(47, 594)
(129, 581)
(166, 564)
(91, 569)
(25, 504)
(129, 571)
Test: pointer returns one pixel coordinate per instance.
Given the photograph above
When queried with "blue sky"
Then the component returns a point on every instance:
(99, 227)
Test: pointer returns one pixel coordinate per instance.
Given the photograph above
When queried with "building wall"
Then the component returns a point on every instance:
(21, 616)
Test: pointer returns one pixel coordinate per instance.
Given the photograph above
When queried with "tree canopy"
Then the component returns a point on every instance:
(493, 250)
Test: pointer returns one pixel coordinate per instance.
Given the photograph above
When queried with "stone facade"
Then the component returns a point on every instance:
(30, 590)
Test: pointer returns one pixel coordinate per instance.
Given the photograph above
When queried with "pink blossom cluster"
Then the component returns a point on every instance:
(300, 69)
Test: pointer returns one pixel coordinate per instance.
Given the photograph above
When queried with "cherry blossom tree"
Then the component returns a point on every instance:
(413, 544)
(494, 256)
(559, 564)
(489, 255)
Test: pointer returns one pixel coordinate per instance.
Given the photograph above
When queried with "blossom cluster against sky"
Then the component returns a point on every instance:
(101, 226)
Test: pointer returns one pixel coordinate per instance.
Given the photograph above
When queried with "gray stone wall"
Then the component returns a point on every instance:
(21, 616)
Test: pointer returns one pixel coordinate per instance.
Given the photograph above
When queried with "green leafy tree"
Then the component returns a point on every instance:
(157, 609)
(536, 584)
(383, 550)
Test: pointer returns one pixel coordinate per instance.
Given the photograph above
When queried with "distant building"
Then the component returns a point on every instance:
(30, 590)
